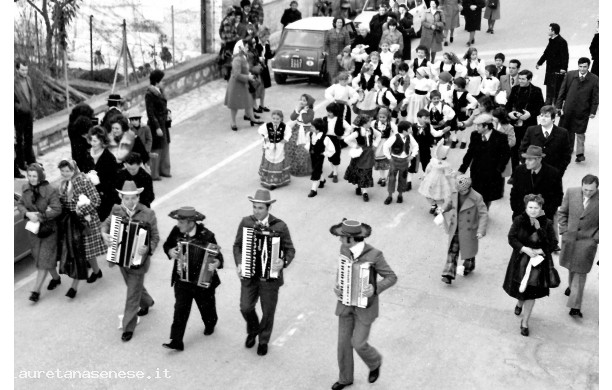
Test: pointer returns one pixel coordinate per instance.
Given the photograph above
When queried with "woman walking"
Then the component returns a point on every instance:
(295, 151)
(532, 239)
(40, 204)
(433, 21)
(451, 9)
(492, 13)
(274, 168)
(336, 40)
(105, 169)
(80, 238)
(472, 11)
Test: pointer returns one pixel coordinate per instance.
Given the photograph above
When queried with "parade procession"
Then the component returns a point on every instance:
(409, 198)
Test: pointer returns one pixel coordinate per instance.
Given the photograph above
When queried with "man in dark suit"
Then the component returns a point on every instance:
(578, 101)
(376, 25)
(25, 105)
(553, 140)
(257, 286)
(487, 157)
(556, 56)
(536, 177)
(579, 225)
(507, 81)
(523, 106)
(354, 321)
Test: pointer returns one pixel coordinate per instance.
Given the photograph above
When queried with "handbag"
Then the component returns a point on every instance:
(553, 277)
(253, 85)
(46, 229)
(492, 4)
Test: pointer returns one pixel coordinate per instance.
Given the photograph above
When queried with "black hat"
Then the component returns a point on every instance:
(188, 213)
(114, 97)
(349, 228)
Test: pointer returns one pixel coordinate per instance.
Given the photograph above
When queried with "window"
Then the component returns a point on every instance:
(303, 38)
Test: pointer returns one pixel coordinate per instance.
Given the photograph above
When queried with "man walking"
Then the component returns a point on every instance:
(578, 101)
(25, 104)
(556, 56)
(354, 322)
(257, 286)
(579, 226)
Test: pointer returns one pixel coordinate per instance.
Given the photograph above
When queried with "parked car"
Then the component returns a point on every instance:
(364, 18)
(300, 49)
(21, 240)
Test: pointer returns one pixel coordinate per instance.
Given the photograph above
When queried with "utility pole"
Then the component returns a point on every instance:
(203, 24)
(125, 54)
(91, 46)
(172, 10)
(37, 41)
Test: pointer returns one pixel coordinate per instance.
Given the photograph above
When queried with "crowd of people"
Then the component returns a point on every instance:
(399, 117)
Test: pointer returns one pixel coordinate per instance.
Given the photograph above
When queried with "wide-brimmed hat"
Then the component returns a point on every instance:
(533, 151)
(115, 97)
(446, 77)
(133, 114)
(262, 196)
(129, 188)
(483, 118)
(188, 213)
(350, 228)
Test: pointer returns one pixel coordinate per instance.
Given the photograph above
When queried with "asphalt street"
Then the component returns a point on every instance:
(431, 335)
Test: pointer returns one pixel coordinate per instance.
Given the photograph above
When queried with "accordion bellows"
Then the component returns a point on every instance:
(193, 261)
(353, 278)
(126, 237)
(260, 248)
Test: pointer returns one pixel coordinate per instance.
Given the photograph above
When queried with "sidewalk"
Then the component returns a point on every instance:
(183, 107)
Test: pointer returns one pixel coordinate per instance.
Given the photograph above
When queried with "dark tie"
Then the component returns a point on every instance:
(545, 134)
(581, 78)
(512, 81)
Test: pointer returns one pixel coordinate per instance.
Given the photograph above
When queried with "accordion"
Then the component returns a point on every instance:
(352, 280)
(193, 261)
(260, 248)
(126, 237)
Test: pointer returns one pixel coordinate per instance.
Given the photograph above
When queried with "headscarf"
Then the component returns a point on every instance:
(42, 179)
(309, 100)
(239, 47)
(463, 182)
(66, 185)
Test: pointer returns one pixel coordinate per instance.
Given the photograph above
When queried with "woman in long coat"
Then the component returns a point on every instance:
(432, 28)
(80, 238)
(472, 11)
(237, 96)
(40, 202)
(492, 14)
(105, 168)
(530, 236)
(336, 40)
(157, 120)
(451, 9)
(79, 122)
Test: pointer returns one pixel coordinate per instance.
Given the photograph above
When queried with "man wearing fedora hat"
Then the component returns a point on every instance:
(114, 103)
(256, 287)
(354, 322)
(487, 157)
(138, 300)
(143, 132)
(536, 177)
(189, 227)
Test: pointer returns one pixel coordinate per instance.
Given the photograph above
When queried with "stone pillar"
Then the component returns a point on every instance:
(210, 15)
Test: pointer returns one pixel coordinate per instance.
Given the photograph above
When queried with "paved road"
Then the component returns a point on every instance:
(432, 336)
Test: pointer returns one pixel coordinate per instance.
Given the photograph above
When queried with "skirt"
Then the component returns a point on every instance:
(414, 103)
(536, 287)
(381, 162)
(435, 186)
(297, 156)
(361, 177)
(274, 174)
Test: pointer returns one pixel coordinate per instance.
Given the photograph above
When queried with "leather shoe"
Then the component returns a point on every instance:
(262, 349)
(145, 310)
(94, 276)
(374, 374)
(312, 194)
(447, 279)
(246, 118)
(127, 336)
(340, 386)
(524, 330)
(575, 313)
(34, 296)
(71, 293)
(400, 198)
(388, 200)
(250, 340)
(54, 283)
(258, 110)
(335, 179)
(366, 197)
(518, 310)
(264, 108)
(357, 191)
(463, 145)
(178, 345)
(568, 292)
(253, 123)
(322, 183)
(209, 330)
(580, 158)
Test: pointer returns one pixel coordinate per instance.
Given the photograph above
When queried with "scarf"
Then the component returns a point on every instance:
(66, 186)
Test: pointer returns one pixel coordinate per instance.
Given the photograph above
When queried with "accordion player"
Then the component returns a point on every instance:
(193, 262)
(126, 237)
(352, 279)
(260, 248)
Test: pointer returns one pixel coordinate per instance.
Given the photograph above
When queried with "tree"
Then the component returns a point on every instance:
(165, 56)
(98, 58)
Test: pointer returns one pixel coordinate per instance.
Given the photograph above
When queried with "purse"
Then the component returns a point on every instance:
(46, 229)
(492, 4)
(553, 277)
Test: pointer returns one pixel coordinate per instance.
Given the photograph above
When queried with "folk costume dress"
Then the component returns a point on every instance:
(295, 154)
(474, 76)
(387, 130)
(274, 169)
(365, 85)
(359, 171)
(417, 97)
(439, 181)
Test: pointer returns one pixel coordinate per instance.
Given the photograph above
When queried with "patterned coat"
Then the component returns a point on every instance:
(432, 38)
(467, 222)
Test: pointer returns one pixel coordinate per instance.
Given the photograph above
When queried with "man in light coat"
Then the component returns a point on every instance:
(466, 216)
(507, 81)
(579, 225)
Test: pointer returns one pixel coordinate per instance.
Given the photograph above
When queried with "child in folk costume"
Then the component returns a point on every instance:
(475, 71)
(420, 61)
(343, 94)
(421, 131)
(376, 63)
(490, 83)
(441, 116)
(365, 85)
(295, 154)
(450, 63)
(319, 146)
(397, 61)
(463, 103)
(336, 130)
(360, 55)
(346, 62)
(387, 130)
(439, 180)
(445, 87)
(386, 59)
(400, 149)
(384, 95)
(399, 85)
(416, 95)
(274, 168)
(363, 141)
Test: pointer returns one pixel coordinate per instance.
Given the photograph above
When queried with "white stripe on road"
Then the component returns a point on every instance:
(28, 279)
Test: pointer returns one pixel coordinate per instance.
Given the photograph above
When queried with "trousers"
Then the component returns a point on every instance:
(576, 282)
(24, 134)
(450, 268)
(137, 297)
(399, 167)
(353, 334)
(577, 139)
(164, 157)
(184, 294)
(252, 290)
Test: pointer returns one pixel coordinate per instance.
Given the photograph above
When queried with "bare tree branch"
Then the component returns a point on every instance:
(35, 7)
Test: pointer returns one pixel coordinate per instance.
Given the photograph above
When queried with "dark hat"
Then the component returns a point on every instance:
(188, 213)
(262, 196)
(350, 228)
(533, 152)
(114, 97)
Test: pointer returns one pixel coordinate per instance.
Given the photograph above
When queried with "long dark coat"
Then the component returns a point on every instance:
(594, 49)
(547, 183)
(472, 18)
(556, 147)
(578, 100)
(106, 168)
(522, 234)
(580, 230)
(556, 56)
(157, 115)
(487, 161)
(237, 95)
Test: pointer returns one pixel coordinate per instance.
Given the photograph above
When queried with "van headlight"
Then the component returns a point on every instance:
(309, 63)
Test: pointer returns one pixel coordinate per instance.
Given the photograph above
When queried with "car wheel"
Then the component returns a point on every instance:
(280, 78)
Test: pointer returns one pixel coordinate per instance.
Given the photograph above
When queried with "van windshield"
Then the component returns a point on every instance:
(303, 38)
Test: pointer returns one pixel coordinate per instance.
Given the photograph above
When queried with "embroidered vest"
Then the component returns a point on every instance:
(386, 131)
(452, 70)
(278, 135)
(361, 140)
(400, 146)
(367, 85)
(319, 146)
